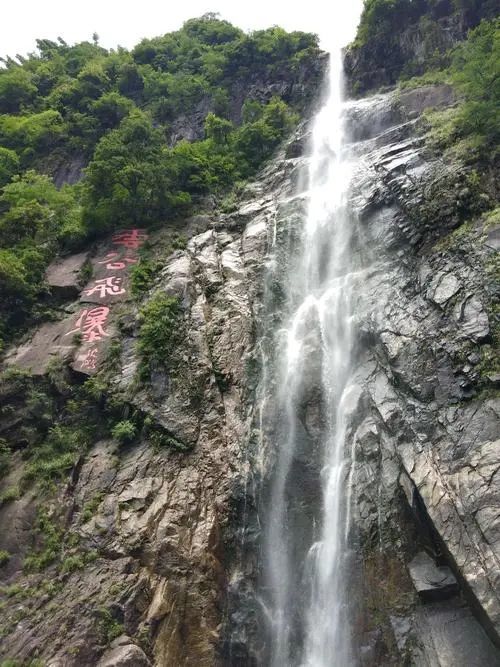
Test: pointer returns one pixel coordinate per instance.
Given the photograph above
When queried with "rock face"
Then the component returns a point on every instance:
(175, 534)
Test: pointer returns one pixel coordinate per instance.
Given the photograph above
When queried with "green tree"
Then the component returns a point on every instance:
(218, 129)
(17, 89)
(9, 165)
(476, 73)
(128, 182)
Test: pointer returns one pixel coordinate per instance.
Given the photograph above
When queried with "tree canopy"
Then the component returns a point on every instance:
(113, 110)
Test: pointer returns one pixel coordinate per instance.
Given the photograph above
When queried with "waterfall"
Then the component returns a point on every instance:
(306, 553)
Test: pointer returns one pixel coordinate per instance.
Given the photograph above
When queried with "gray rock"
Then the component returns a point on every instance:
(431, 582)
(128, 655)
(63, 275)
(449, 636)
(442, 288)
(493, 239)
(473, 319)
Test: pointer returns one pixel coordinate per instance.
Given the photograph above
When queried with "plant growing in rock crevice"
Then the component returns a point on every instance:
(124, 431)
(159, 321)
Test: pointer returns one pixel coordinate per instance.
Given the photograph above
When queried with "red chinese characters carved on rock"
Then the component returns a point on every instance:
(89, 361)
(130, 238)
(91, 324)
(106, 287)
(117, 265)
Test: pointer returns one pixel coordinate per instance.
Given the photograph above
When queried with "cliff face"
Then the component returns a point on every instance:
(154, 545)
(409, 40)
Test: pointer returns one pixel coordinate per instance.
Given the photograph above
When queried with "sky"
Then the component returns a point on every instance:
(126, 22)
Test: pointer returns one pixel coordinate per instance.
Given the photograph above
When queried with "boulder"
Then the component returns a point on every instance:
(128, 655)
(64, 275)
(432, 582)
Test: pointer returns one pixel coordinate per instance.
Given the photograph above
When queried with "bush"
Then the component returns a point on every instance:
(124, 431)
(72, 563)
(108, 626)
(51, 539)
(51, 460)
(10, 494)
(4, 557)
(159, 328)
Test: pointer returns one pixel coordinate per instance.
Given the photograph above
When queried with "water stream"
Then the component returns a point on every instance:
(306, 557)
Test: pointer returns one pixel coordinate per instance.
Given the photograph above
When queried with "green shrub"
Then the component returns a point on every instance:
(51, 539)
(52, 459)
(72, 563)
(10, 494)
(142, 276)
(91, 507)
(159, 322)
(124, 431)
(4, 557)
(108, 627)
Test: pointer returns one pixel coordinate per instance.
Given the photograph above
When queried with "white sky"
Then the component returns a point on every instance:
(126, 22)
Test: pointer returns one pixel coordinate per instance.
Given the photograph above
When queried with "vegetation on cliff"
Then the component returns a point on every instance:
(114, 111)
(405, 38)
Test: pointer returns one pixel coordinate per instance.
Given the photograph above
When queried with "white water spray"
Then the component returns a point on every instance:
(308, 606)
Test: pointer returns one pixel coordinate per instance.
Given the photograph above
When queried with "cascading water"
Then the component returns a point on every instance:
(307, 565)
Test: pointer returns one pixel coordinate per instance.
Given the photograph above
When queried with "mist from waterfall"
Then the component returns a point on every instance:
(308, 606)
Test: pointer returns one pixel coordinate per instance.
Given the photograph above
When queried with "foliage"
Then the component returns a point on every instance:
(114, 109)
(4, 557)
(11, 493)
(9, 165)
(50, 543)
(37, 219)
(388, 27)
(476, 119)
(108, 626)
(52, 459)
(124, 431)
(142, 276)
(474, 72)
(159, 327)
(54, 546)
(90, 508)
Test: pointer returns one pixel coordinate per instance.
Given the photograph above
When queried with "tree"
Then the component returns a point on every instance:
(475, 72)
(127, 181)
(217, 128)
(16, 89)
(9, 165)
